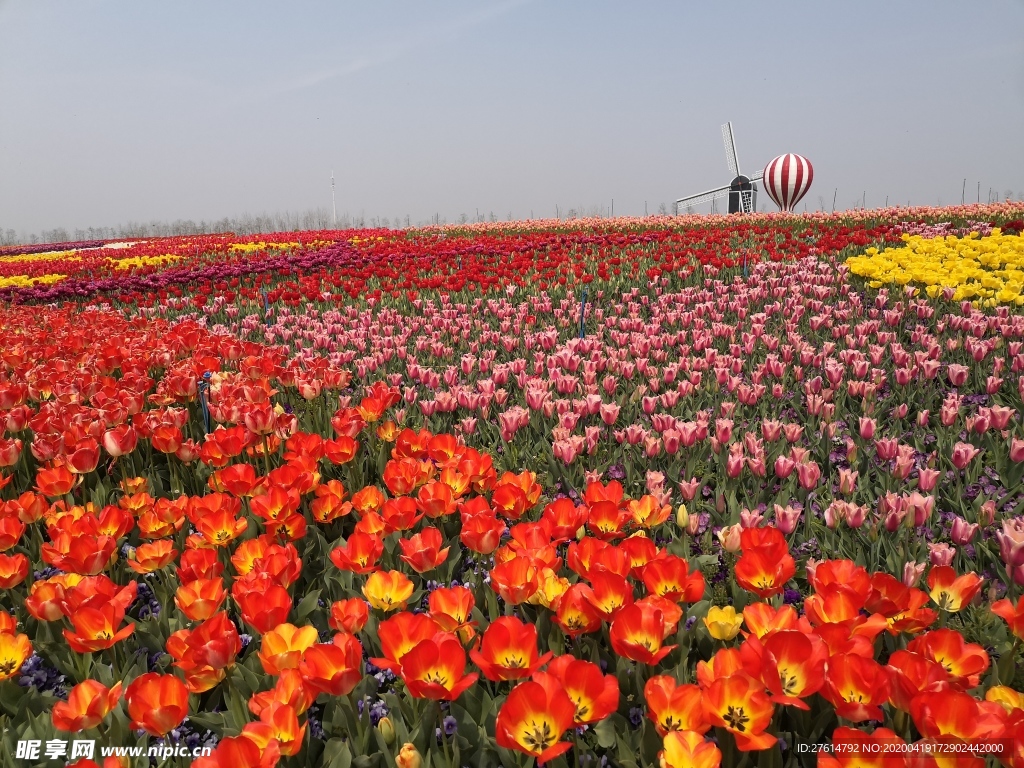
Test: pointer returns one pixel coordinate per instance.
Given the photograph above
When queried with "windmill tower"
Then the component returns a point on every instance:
(741, 191)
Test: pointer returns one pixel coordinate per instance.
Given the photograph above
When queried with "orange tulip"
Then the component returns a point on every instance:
(508, 650)
(575, 612)
(388, 590)
(330, 504)
(1012, 614)
(205, 653)
(283, 646)
(284, 724)
(359, 554)
(199, 564)
(763, 571)
(565, 518)
(341, 450)
(670, 577)
(46, 598)
(349, 615)
(647, 512)
(452, 609)
(516, 580)
(855, 686)
(738, 704)
(402, 476)
(481, 532)
(96, 628)
(688, 749)
(289, 689)
(238, 480)
(87, 705)
(265, 608)
(435, 669)
(13, 570)
(792, 666)
(436, 499)
(277, 503)
(55, 482)
(14, 650)
(956, 715)
(400, 514)
(200, 599)
(606, 520)
(638, 632)
(533, 718)
(965, 662)
(950, 592)
(762, 618)
(400, 634)
(333, 668)
(153, 556)
(594, 694)
(674, 707)
(156, 703)
(220, 528)
(912, 674)
(423, 551)
(901, 605)
(608, 593)
(11, 529)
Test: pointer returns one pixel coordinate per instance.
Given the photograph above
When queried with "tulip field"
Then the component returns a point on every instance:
(650, 493)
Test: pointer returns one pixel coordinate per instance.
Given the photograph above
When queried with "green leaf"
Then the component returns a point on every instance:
(307, 605)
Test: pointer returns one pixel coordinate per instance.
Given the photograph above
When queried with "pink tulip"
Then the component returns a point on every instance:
(848, 481)
(809, 473)
(734, 465)
(856, 514)
(1011, 541)
(689, 489)
(784, 467)
(609, 413)
(963, 454)
(957, 374)
(912, 572)
(922, 419)
(750, 518)
(926, 479)
(987, 513)
(940, 554)
(786, 518)
(1017, 450)
(962, 532)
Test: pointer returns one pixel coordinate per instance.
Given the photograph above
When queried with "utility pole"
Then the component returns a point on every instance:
(613, 207)
(834, 199)
(963, 191)
(334, 205)
(979, 191)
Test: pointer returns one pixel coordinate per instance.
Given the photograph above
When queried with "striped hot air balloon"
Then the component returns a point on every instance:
(787, 179)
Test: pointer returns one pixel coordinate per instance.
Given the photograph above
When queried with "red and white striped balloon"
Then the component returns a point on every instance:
(787, 179)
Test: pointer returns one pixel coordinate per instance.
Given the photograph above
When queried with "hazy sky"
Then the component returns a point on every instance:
(119, 110)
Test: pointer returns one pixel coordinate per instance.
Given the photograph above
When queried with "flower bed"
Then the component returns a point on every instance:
(739, 515)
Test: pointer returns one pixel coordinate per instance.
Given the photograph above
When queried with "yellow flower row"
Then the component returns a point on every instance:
(21, 281)
(250, 247)
(143, 261)
(986, 270)
(48, 256)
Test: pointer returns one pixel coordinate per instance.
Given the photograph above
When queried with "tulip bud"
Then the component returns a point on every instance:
(723, 623)
(409, 757)
(729, 537)
(387, 730)
(682, 516)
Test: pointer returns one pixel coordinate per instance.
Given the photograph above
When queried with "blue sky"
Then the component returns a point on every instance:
(118, 110)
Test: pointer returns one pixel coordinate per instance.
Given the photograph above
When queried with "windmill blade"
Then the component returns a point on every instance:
(730, 149)
(758, 177)
(703, 197)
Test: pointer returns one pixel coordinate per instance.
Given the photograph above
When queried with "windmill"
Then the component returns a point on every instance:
(741, 191)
